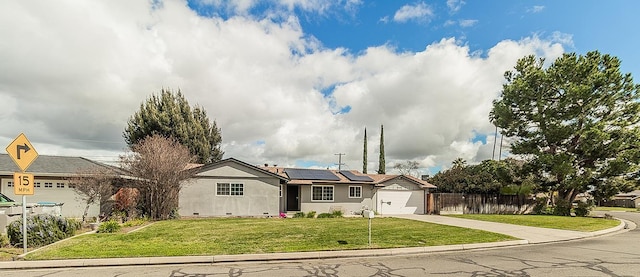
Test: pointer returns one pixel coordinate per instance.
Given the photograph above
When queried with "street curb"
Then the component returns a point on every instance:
(610, 230)
(253, 257)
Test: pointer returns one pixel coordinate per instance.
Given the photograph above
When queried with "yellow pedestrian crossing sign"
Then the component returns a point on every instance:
(22, 152)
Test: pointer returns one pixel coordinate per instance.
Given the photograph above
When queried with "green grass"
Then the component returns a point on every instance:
(616, 209)
(249, 235)
(584, 224)
(7, 254)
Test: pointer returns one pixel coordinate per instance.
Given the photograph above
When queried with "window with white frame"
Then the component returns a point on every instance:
(60, 185)
(48, 185)
(10, 184)
(355, 192)
(37, 184)
(280, 190)
(321, 193)
(230, 189)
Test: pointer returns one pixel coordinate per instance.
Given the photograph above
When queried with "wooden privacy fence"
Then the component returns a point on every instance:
(460, 203)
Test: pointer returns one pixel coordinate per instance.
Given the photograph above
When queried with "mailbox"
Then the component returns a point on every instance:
(369, 214)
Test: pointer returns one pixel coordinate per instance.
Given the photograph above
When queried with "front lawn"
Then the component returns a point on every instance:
(7, 254)
(584, 224)
(192, 237)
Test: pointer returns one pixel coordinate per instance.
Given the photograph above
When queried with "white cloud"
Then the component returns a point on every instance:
(455, 5)
(71, 87)
(420, 12)
(468, 22)
(535, 9)
(464, 23)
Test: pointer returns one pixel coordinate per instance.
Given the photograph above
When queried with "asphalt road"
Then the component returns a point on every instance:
(611, 255)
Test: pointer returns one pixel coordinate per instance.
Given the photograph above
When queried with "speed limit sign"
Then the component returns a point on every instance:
(22, 183)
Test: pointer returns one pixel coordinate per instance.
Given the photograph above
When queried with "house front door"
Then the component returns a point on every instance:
(293, 198)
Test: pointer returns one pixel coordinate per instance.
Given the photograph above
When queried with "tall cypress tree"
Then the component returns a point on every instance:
(364, 155)
(381, 165)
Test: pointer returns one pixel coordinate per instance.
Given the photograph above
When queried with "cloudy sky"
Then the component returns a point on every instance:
(289, 82)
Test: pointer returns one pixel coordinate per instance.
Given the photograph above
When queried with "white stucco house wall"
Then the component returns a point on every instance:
(231, 188)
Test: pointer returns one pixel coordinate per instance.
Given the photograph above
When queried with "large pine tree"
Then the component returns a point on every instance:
(169, 114)
(576, 120)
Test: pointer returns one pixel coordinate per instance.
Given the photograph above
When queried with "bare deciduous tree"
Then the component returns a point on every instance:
(409, 168)
(160, 165)
(94, 185)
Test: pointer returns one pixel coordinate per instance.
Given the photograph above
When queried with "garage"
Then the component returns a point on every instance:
(395, 201)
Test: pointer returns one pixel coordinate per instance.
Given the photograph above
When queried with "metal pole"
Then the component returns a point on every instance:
(501, 138)
(495, 140)
(340, 160)
(24, 222)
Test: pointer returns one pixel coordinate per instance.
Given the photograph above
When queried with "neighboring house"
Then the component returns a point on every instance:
(627, 200)
(350, 191)
(51, 182)
(231, 188)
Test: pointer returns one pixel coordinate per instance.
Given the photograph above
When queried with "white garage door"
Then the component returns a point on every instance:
(400, 202)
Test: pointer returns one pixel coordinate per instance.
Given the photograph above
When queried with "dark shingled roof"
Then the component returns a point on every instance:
(51, 165)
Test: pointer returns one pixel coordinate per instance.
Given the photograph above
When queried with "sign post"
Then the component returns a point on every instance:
(370, 215)
(23, 154)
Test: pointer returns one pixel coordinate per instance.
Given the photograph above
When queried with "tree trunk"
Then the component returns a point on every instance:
(86, 211)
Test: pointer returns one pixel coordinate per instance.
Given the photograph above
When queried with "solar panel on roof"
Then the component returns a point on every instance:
(353, 177)
(311, 174)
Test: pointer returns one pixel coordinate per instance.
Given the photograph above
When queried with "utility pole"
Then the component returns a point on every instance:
(495, 140)
(340, 160)
(501, 138)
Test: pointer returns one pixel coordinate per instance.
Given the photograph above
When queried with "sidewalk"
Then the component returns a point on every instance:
(532, 235)
(527, 235)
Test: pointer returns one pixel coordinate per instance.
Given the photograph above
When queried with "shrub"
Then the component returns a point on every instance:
(562, 208)
(540, 206)
(298, 215)
(4, 240)
(311, 214)
(110, 226)
(583, 209)
(337, 213)
(174, 214)
(42, 230)
(325, 215)
(134, 222)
